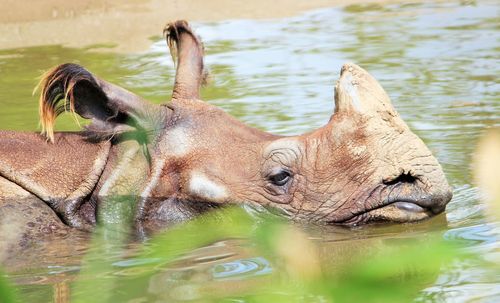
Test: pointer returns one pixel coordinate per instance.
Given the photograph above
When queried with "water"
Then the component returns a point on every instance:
(439, 62)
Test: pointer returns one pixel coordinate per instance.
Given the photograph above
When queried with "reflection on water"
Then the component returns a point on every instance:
(438, 62)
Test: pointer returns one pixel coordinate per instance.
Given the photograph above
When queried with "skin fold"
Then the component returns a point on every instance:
(157, 165)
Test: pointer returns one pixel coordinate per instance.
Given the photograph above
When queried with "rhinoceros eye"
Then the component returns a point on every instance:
(280, 178)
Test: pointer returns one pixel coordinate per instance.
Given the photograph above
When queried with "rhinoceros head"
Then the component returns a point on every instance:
(187, 156)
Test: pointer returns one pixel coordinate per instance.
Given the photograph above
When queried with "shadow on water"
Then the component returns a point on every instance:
(437, 61)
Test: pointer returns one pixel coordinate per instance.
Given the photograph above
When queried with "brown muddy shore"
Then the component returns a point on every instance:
(128, 25)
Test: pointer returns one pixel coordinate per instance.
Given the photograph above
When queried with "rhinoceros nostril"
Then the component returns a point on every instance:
(402, 178)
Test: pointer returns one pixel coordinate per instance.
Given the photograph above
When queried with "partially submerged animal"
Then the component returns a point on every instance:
(182, 158)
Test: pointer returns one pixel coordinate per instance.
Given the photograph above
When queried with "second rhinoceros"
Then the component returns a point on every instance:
(180, 159)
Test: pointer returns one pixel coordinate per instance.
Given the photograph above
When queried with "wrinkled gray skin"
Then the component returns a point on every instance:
(177, 160)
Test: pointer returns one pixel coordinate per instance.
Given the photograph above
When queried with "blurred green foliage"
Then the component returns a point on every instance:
(394, 274)
(8, 293)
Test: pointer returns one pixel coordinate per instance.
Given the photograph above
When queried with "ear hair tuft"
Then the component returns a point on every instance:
(58, 85)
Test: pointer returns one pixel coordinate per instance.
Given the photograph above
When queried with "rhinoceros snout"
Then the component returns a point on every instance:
(440, 199)
(413, 197)
(424, 193)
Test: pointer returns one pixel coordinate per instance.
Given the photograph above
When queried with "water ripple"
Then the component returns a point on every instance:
(242, 268)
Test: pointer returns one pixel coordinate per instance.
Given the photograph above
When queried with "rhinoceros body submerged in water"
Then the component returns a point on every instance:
(182, 158)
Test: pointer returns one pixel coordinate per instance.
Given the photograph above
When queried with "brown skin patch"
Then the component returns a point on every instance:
(62, 174)
(32, 221)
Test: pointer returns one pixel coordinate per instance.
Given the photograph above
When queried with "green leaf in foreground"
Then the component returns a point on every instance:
(392, 274)
(8, 293)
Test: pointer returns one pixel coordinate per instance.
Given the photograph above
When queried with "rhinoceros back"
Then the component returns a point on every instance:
(54, 172)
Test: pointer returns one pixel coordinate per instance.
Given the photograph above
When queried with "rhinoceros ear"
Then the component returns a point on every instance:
(112, 109)
(358, 92)
(187, 52)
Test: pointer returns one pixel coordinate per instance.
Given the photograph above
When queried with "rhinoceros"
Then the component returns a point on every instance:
(179, 159)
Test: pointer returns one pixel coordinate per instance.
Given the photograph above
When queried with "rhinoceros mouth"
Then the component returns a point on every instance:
(398, 211)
